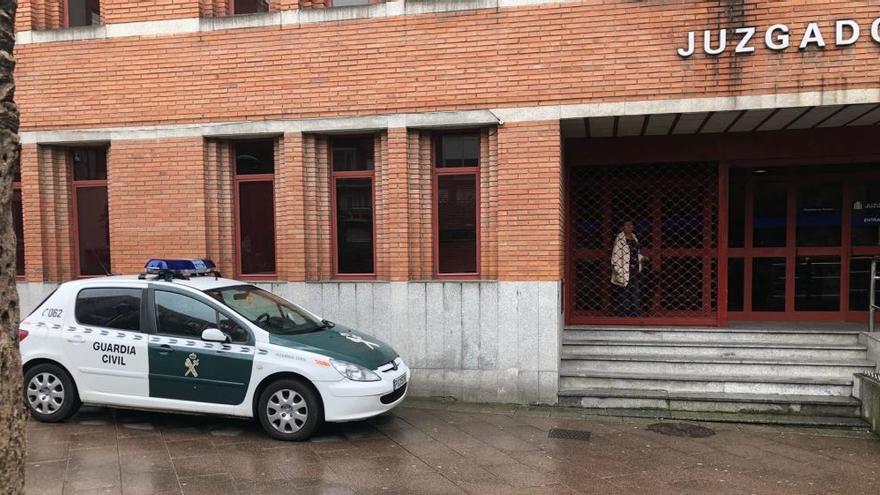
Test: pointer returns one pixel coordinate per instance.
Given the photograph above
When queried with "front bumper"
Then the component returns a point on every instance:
(347, 400)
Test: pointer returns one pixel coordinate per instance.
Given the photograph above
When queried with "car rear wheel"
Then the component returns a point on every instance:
(289, 410)
(49, 393)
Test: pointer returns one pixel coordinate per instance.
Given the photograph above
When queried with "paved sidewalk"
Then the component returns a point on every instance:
(436, 448)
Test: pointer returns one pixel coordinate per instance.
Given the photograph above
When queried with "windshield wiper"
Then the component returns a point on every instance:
(326, 324)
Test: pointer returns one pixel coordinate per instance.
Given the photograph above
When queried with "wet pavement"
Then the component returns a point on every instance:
(437, 448)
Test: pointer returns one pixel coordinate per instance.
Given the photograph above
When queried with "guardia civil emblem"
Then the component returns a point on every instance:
(357, 339)
(191, 362)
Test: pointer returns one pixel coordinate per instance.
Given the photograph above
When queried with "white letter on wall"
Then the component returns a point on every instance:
(855, 32)
(743, 46)
(687, 52)
(813, 35)
(779, 42)
(875, 30)
(707, 42)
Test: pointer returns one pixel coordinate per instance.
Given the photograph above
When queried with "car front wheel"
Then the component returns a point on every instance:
(289, 410)
(49, 393)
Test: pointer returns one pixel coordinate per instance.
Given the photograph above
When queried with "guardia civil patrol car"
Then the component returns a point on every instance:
(179, 337)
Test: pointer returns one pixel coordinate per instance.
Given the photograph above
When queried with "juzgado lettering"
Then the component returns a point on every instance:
(777, 37)
(118, 350)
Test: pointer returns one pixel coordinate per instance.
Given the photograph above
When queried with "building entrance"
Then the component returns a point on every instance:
(667, 272)
(799, 241)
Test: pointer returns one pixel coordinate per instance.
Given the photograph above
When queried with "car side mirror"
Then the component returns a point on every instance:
(214, 335)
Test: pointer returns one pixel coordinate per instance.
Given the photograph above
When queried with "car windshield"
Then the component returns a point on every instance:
(266, 310)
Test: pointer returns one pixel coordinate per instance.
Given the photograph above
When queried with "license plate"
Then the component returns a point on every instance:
(400, 381)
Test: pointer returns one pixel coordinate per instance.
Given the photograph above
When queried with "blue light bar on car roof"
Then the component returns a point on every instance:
(167, 268)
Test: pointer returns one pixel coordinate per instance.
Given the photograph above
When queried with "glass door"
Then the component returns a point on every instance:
(799, 242)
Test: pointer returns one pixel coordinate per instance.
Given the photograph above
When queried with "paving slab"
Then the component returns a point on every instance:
(441, 447)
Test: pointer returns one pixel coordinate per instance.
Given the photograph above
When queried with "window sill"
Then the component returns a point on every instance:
(76, 33)
(259, 277)
(360, 277)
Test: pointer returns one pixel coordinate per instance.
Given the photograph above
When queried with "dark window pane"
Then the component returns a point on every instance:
(109, 308)
(459, 150)
(770, 214)
(250, 6)
(83, 13)
(735, 284)
(257, 227)
(18, 225)
(682, 218)
(859, 284)
(866, 214)
(89, 163)
(183, 316)
(817, 283)
(768, 284)
(736, 227)
(255, 157)
(93, 229)
(819, 214)
(457, 223)
(353, 153)
(354, 225)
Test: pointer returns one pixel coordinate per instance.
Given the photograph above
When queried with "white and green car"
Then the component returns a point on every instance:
(176, 339)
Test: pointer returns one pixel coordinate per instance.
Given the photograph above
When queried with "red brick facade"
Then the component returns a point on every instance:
(578, 52)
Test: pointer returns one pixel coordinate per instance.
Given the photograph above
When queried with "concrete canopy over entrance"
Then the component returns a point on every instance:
(712, 122)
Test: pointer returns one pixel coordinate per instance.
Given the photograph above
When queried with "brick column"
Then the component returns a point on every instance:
(530, 202)
(290, 209)
(219, 208)
(315, 196)
(394, 231)
(156, 191)
(47, 215)
(33, 221)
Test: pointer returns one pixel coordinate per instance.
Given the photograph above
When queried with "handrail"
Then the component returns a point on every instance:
(872, 294)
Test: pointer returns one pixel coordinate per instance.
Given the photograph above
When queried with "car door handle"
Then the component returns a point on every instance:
(164, 349)
(75, 339)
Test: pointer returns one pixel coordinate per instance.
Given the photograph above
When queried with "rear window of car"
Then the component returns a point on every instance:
(119, 309)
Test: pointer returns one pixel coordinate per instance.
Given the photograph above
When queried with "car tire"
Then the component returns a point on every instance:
(50, 393)
(290, 410)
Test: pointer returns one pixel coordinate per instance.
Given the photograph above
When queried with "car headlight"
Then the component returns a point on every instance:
(354, 372)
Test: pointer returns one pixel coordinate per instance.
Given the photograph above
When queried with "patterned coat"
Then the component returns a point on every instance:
(620, 261)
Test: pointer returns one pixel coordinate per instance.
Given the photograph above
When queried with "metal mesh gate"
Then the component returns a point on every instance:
(674, 212)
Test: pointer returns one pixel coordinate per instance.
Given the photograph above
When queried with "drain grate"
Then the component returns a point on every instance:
(562, 433)
(681, 430)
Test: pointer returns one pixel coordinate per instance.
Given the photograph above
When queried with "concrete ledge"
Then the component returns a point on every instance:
(872, 342)
(464, 118)
(869, 386)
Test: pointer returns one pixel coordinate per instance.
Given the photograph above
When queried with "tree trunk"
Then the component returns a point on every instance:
(12, 410)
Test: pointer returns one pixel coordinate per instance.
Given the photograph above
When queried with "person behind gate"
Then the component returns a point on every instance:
(626, 269)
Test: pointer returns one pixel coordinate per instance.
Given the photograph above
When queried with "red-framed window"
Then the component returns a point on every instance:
(352, 169)
(18, 224)
(456, 178)
(254, 183)
(248, 6)
(90, 211)
(82, 13)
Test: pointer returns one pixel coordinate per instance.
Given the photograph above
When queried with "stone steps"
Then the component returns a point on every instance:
(712, 335)
(573, 363)
(834, 406)
(727, 350)
(794, 377)
(799, 420)
(759, 384)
